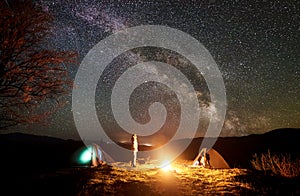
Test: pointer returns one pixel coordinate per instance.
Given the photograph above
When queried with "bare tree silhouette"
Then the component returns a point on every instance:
(30, 73)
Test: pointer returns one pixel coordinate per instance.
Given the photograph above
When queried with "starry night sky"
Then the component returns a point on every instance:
(256, 46)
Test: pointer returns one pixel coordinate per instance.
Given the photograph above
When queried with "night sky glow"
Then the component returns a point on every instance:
(256, 46)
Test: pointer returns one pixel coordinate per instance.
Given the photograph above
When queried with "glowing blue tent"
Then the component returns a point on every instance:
(93, 155)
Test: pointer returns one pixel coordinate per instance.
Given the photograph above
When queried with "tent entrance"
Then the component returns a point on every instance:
(210, 159)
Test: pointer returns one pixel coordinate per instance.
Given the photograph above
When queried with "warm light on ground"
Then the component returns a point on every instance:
(181, 179)
(167, 167)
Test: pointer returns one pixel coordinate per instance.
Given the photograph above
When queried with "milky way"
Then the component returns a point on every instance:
(256, 46)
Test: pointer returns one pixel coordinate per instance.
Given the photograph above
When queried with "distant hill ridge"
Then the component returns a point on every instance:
(31, 137)
(17, 136)
(237, 151)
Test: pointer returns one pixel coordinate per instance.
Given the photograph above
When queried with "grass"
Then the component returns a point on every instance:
(277, 164)
(147, 179)
(180, 180)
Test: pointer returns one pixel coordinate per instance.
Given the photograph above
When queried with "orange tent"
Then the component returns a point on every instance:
(215, 160)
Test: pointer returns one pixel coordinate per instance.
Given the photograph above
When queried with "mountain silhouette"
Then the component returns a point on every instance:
(33, 151)
(238, 151)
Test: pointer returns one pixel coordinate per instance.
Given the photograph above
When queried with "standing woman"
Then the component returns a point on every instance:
(134, 143)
